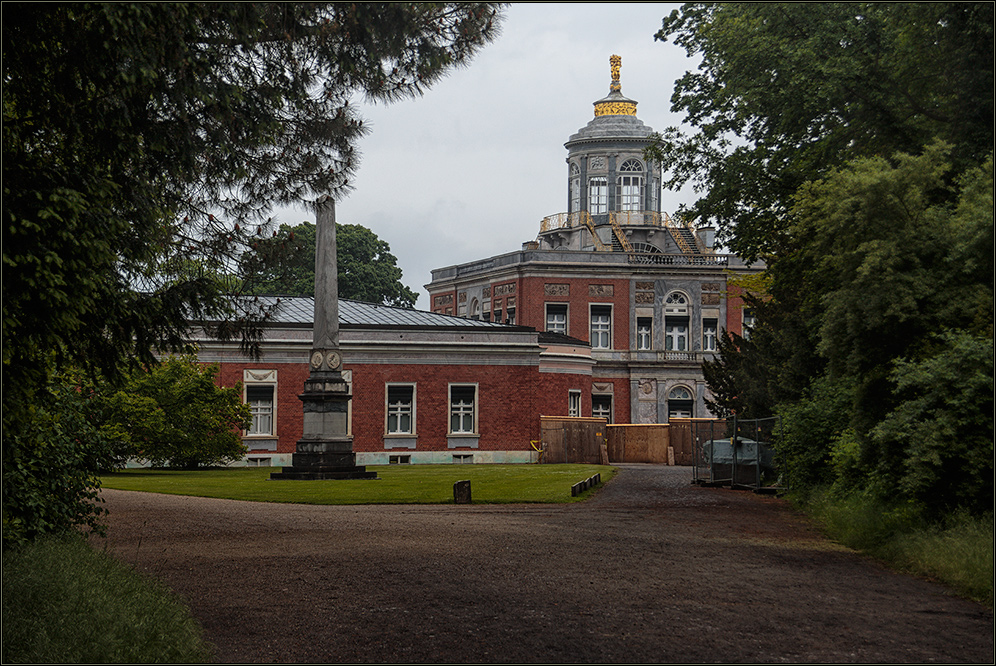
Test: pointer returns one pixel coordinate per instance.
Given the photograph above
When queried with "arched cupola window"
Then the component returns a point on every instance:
(629, 185)
(575, 188)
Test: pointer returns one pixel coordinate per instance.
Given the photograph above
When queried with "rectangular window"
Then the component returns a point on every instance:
(628, 192)
(399, 460)
(709, 335)
(511, 316)
(748, 323)
(556, 318)
(260, 400)
(575, 195)
(644, 329)
(400, 409)
(574, 403)
(463, 412)
(601, 327)
(676, 334)
(463, 458)
(498, 316)
(598, 196)
(601, 407)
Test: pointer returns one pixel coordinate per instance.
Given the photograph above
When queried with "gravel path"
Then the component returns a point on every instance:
(650, 570)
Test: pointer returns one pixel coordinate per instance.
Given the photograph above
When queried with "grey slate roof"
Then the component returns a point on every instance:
(300, 310)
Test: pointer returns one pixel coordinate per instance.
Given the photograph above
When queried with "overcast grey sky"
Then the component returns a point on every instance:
(468, 170)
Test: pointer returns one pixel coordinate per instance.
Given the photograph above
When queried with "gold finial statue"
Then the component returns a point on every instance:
(615, 104)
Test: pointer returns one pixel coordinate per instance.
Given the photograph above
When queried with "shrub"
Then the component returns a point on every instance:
(175, 414)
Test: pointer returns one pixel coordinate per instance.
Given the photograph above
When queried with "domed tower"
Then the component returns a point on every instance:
(613, 197)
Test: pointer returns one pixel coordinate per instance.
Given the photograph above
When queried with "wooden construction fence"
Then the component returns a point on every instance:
(641, 443)
(573, 440)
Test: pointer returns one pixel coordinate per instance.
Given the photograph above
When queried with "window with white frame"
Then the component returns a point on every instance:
(676, 334)
(676, 322)
(709, 330)
(644, 332)
(598, 196)
(601, 406)
(511, 316)
(400, 409)
(575, 188)
(556, 318)
(679, 403)
(676, 303)
(463, 409)
(629, 186)
(574, 403)
(601, 327)
(259, 397)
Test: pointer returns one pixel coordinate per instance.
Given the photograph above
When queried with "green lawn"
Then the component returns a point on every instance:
(397, 484)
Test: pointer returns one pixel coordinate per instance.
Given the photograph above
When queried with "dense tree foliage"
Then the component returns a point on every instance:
(51, 459)
(174, 414)
(787, 91)
(145, 143)
(367, 269)
(850, 146)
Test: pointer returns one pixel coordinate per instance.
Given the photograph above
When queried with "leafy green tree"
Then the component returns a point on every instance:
(787, 91)
(176, 414)
(51, 458)
(367, 269)
(900, 299)
(849, 145)
(144, 144)
(943, 425)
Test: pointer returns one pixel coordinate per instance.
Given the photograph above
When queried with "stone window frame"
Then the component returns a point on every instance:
(463, 438)
(604, 327)
(547, 313)
(260, 378)
(574, 402)
(644, 333)
(400, 410)
(601, 406)
(710, 334)
(677, 311)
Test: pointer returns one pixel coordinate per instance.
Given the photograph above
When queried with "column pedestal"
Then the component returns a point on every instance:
(326, 450)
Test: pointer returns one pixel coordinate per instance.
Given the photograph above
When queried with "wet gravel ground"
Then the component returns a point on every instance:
(651, 570)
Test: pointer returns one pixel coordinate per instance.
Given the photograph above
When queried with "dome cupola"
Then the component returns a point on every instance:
(607, 170)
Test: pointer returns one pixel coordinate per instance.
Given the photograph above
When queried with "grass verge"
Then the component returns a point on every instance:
(64, 602)
(397, 484)
(958, 553)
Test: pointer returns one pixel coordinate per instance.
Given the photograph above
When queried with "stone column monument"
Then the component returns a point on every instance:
(325, 450)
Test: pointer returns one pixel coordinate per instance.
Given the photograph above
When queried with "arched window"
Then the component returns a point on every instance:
(680, 404)
(676, 303)
(575, 188)
(629, 185)
(679, 393)
(676, 322)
